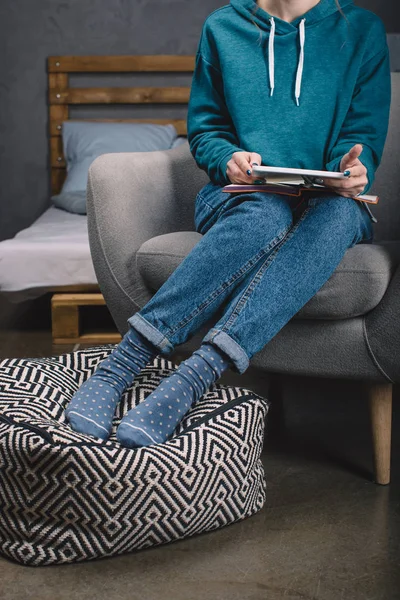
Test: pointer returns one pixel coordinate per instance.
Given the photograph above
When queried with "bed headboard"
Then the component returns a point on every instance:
(62, 96)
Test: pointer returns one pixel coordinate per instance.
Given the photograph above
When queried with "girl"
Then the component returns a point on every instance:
(299, 83)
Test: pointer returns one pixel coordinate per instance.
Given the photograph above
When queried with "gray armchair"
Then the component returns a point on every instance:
(141, 227)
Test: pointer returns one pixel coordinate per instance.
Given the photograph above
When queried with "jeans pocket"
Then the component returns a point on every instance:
(212, 195)
(208, 203)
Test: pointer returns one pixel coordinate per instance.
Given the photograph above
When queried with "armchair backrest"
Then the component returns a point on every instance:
(387, 179)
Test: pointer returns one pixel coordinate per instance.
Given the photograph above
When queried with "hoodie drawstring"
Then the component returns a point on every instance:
(301, 61)
(271, 63)
(271, 55)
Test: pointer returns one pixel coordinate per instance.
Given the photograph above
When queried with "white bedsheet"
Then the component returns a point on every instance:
(53, 251)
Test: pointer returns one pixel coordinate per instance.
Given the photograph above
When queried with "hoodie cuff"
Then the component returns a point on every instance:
(370, 176)
(221, 169)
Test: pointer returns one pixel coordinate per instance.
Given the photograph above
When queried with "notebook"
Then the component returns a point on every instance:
(292, 186)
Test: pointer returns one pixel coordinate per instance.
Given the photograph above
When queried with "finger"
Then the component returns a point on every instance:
(242, 160)
(352, 188)
(255, 158)
(358, 179)
(348, 184)
(351, 157)
(330, 181)
(355, 151)
(352, 192)
(357, 175)
(236, 175)
(357, 170)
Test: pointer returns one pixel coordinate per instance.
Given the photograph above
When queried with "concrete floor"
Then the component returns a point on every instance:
(326, 531)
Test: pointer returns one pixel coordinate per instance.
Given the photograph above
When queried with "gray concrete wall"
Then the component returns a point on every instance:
(32, 31)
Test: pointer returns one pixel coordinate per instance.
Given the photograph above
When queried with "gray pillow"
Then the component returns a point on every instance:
(83, 141)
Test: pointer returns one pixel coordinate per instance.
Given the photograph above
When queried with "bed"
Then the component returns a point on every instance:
(53, 254)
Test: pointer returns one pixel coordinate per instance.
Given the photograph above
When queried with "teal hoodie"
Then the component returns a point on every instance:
(300, 94)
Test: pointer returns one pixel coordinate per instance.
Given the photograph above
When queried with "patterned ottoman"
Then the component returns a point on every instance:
(67, 497)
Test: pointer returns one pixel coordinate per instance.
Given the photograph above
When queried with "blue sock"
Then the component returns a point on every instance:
(92, 407)
(154, 419)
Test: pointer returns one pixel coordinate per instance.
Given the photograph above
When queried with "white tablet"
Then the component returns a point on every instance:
(264, 171)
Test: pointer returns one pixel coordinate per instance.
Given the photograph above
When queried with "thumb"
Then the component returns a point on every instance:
(350, 158)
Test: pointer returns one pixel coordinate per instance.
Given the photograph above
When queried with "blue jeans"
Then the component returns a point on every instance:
(261, 258)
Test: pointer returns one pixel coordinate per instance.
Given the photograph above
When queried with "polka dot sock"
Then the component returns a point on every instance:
(92, 407)
(154, 419)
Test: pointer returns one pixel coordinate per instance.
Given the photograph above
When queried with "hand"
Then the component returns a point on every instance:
(239, 165)
(357, 180)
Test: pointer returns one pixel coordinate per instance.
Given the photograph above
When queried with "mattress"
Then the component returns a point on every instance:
(53, 251)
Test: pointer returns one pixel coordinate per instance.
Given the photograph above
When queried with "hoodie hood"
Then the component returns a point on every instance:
(249, 10)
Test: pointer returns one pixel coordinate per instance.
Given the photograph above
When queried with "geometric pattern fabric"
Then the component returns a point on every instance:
(68, 497)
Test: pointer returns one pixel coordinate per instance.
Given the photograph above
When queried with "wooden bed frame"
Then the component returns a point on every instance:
(66, 302)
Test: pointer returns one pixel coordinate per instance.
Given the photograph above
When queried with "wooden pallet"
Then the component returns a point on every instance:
(62, 95)
(66, 320)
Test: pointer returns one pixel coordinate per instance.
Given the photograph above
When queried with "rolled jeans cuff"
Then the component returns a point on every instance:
(151, 333)
(234, 350)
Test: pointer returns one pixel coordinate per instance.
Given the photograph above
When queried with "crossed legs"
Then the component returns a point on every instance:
(256, 262)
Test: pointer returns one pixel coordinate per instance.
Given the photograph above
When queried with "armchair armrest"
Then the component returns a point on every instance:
(382, 331)
(132, 197)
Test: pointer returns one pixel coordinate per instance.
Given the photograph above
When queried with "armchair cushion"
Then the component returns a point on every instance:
(356, 287)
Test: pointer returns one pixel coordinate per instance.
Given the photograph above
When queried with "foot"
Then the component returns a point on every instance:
(154, 419)
(92, 407)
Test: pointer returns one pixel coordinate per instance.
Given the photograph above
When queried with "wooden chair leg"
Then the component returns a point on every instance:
(380, 403)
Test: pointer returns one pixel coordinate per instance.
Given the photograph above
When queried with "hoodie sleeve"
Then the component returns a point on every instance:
(367, 119)
(211, 133)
